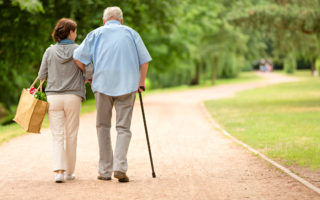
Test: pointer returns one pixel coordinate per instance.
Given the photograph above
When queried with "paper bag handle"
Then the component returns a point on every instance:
(40, 86)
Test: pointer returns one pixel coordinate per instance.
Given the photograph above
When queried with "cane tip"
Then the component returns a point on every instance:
(153, 175)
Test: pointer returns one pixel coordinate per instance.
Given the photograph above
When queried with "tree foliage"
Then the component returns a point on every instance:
(293, 26)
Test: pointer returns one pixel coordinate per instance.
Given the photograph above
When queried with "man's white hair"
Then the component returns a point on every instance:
(112, 12)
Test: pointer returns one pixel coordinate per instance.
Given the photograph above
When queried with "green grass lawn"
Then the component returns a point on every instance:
(282, 121)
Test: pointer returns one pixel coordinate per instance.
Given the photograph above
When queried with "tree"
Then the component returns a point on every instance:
(292, 26)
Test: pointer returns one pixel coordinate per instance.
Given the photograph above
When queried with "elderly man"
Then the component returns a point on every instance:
(120, 61)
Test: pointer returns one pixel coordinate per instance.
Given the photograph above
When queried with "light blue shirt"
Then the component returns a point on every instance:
(117, 51)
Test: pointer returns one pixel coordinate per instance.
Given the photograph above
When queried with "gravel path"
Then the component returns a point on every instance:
(192, 160)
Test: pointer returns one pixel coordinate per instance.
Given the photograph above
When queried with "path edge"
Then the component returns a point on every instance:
(256, 152)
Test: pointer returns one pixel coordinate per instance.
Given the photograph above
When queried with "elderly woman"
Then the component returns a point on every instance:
(65, 90)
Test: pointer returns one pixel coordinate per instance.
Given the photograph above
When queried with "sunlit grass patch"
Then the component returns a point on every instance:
(282, 120)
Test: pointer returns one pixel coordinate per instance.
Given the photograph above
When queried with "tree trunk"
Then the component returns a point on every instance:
(215, 71)
(195, 80)
(204, 69)
(314, 70)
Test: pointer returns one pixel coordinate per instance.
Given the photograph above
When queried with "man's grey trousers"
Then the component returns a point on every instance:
(108, 161)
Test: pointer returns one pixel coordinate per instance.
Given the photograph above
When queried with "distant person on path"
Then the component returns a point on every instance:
(120, 66)
(269, 65)
(65, 90)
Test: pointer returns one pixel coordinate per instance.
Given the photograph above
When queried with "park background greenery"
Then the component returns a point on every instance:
(193, 43)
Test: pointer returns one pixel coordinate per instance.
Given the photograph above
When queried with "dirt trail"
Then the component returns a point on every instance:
(192, 160)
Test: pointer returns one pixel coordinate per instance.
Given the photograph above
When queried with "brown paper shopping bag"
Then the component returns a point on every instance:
(31, 111)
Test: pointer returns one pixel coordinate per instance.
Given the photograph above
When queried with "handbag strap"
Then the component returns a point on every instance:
(40, 86)
(34, 82)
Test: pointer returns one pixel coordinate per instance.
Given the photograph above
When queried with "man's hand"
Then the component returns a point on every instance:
(79, 64)
(143, 74)
(141, 88)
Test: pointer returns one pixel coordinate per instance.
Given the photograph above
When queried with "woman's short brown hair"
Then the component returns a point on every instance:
(62, 29)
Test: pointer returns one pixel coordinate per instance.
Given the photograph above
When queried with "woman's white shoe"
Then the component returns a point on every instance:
(70, 177)
(59, 178)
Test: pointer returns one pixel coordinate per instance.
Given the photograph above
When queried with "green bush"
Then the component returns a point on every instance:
(89, 93)
(290, 64)
(228, 66)
(7, 120)
(148, 84)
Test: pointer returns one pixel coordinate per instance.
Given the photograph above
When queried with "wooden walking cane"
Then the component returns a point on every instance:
(145, 127)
